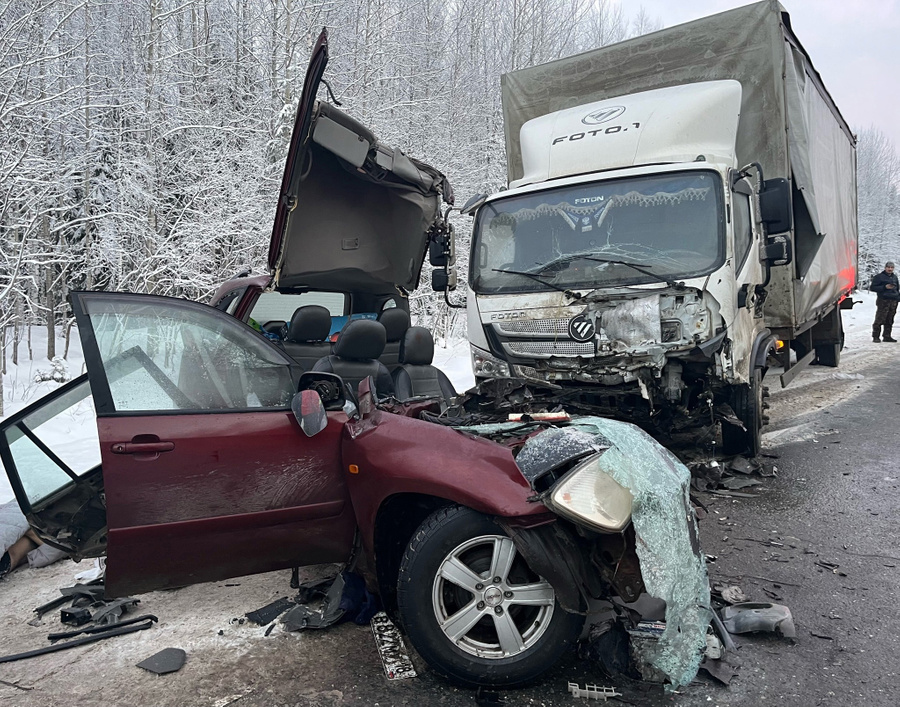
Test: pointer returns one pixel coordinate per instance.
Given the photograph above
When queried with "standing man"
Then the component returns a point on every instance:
(888, 288)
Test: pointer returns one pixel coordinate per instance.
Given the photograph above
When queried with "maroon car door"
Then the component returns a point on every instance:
(206, 473)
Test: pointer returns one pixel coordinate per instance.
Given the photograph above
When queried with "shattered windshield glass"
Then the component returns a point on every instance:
(593, 235)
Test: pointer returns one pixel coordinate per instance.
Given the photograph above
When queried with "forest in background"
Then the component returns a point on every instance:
(142, 143)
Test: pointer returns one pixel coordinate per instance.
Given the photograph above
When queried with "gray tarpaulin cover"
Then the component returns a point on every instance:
(672, 565)
(789, 124)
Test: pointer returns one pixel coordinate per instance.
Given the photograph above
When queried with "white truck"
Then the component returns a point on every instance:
(681, 208)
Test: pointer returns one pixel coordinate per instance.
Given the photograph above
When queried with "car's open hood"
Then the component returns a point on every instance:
(353, 214)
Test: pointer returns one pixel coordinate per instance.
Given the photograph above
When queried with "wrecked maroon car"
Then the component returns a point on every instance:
(196, 449)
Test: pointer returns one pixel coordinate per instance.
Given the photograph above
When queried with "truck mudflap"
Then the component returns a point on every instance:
(662, 530)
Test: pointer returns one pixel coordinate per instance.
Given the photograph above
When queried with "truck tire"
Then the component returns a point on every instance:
(472, 607)
(747, 403)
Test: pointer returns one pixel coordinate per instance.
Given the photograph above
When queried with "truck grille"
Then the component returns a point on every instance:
(545, 349)
(534, 327)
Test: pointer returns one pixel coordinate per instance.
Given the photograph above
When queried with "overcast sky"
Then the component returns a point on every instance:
(853, 44)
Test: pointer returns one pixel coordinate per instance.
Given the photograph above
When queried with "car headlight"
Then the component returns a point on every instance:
(588, 495)
(486, 365)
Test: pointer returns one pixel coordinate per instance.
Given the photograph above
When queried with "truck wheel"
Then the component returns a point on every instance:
(747, 403)
(472, 607)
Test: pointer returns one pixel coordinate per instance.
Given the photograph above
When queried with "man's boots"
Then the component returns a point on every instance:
(876, 333)
(887, 335)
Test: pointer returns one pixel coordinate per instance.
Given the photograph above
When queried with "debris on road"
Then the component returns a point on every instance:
(168, 660)
(750, 617)
(593, 692)
(394, 656)
(109, 633)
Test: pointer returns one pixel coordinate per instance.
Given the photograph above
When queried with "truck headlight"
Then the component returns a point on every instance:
(588, 495)
(486, 365)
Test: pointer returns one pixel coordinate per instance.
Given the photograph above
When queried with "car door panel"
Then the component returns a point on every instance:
(206, 473)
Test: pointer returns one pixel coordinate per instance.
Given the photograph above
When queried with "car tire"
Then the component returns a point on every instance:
(468, 627)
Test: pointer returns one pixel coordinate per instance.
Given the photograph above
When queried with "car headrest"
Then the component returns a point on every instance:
(309, 323)
(395, 321)
(360, 340)
(417, 347)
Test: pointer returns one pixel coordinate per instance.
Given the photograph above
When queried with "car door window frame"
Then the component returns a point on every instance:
(104, 402)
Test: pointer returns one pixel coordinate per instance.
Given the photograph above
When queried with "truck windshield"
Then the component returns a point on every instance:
(592, 235)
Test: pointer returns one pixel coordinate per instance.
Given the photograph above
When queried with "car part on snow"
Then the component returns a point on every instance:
(759, 616)
(346, 598)
(593, 692)
(110, 613)
(391, 649)
(268, 613)
(75, 617)
(168, 660)
(89, 592)
(113, 631)
(98, 629)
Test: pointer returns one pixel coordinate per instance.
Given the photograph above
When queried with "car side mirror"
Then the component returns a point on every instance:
(309, 412)
(775, 206)
(778, 251)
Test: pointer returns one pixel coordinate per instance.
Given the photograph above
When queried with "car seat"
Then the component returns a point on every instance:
(395, 322)
(355, 356)
(416, 377)
(305, 336)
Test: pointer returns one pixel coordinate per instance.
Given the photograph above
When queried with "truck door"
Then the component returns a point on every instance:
(206, 473)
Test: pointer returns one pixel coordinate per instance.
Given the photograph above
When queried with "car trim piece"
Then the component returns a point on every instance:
(13, 421)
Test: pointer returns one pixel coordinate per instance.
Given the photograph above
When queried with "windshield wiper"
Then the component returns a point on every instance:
(537, 277)
(655, 276)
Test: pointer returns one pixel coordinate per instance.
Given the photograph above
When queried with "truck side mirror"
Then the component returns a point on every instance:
(471, 206)
(777, 251)
(442, 251)
(444, 279)
(775, 205)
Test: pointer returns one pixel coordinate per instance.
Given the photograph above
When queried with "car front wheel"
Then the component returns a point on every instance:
(473, 608)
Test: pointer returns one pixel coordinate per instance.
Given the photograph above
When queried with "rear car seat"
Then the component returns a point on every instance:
(305, 336)
(355, 356)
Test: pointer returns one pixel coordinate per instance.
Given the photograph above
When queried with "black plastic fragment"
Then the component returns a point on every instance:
(269, 612)
(168, 660)
(75, 617)
(115, 631)
(101, 628)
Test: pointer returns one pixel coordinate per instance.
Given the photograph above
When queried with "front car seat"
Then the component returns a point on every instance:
(416, 377)
(396, 322)
(355, 356)
(305, 337)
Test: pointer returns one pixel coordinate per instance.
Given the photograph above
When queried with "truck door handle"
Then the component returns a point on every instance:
(142, 447)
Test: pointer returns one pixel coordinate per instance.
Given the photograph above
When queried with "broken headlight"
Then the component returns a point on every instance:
(486, 365)
(589, 496)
